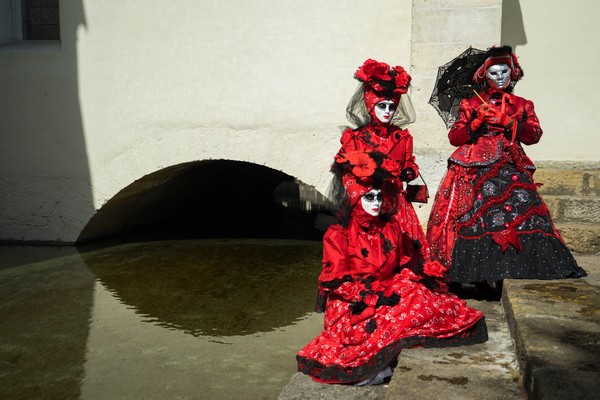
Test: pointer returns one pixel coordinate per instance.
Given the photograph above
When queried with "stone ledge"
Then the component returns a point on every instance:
(302, 387)
(556, 328)
(549, 383)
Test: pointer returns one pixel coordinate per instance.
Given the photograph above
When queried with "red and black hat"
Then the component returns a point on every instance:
(363, 170)
(382, 82)
(498, 55)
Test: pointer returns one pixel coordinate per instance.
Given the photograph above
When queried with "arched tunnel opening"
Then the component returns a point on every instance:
(210, 199)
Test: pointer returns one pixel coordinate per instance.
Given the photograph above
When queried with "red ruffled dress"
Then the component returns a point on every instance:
(374, 307)
(397, 144)
(488, 221)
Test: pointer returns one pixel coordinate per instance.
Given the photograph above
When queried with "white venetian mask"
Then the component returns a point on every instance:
(371, 202)
(384, 111)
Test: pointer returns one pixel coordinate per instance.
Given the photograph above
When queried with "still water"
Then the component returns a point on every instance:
(185, 319)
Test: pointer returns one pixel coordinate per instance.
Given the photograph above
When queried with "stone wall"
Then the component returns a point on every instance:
(442, 30)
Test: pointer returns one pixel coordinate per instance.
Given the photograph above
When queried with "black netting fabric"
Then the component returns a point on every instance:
(358, 115)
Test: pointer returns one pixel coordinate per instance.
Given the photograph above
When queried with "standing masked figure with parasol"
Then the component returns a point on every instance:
(488, 221)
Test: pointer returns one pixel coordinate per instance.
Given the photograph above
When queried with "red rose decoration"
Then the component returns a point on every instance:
(402, 80)
(362, 163)
(434, 268)
(390, 166)
(373, 70)
(379, 77)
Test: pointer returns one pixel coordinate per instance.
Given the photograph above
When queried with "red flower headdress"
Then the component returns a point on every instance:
(361, 164)
(362, 170)
(382, 82)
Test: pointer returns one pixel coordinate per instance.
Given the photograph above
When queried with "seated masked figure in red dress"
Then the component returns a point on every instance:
(381, 108)
(488, 221)
(375, 301)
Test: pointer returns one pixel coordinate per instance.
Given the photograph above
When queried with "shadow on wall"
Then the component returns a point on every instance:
(513, 28)
(43, 158)
(45, 174)
(209, 199)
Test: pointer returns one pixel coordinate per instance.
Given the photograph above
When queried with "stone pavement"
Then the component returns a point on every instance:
(544, 344)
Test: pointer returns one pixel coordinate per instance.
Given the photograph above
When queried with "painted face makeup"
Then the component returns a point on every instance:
(371, 202)
(384, 111)
(498, 76)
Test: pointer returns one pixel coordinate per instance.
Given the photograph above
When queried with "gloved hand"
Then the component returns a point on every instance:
(407, 174)
(497, 118)
(480, 118)
(387, 300)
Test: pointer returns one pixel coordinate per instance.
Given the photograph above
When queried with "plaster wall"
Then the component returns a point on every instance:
(557, 45)
(442, 30)
(153, 84)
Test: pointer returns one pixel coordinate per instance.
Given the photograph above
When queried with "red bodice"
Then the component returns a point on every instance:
(395, 142)
(494, 143)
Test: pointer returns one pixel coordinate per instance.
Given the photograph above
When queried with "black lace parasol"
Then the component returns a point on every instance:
(453, 83)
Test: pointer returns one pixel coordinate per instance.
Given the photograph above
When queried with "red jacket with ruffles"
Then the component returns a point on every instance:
(490, 146)
(397, 143)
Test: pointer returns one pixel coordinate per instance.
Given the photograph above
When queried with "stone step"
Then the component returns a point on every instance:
(580, 238)
(483, 371)
(574, 208)
(556, 329)
(576, 180)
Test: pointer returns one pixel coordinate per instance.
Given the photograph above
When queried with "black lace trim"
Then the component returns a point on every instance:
(337, 282)
(342, 374)
(321, 302)
(322, 296)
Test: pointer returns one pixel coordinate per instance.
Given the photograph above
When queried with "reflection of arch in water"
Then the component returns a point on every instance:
(211, 198)
(216, 287)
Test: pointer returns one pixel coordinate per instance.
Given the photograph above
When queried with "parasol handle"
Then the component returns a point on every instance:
(480, 98)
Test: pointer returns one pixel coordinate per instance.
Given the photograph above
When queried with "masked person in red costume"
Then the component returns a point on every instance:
(375, 302)
(488, 222)
(380, 109)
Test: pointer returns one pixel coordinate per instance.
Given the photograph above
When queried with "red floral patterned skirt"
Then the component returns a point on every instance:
(351, 348)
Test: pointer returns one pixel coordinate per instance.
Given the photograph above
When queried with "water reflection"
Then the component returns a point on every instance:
(44, 325)
(218, 319)
(212, 287)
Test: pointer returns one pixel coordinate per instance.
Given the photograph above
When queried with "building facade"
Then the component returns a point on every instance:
(133, 95)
